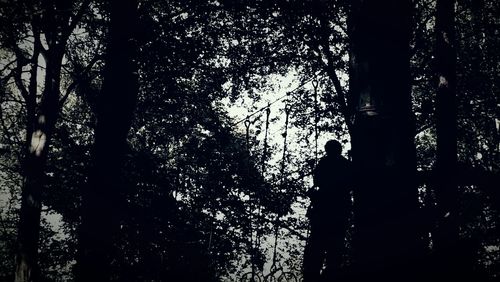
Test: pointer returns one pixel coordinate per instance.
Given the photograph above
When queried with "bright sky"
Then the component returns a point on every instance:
(245, 106)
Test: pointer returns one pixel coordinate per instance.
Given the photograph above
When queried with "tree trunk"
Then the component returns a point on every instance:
(450, 262)
(101, 198)
(387, 222)
(39, 127)
(51, 18)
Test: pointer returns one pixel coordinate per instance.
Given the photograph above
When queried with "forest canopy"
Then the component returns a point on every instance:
(175, 140)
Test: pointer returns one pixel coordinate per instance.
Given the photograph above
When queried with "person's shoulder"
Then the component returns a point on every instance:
(343, 161)
(321, 162)
(324, 161)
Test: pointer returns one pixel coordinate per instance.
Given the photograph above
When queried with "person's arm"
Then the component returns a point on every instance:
(318, 174)
(312, 193)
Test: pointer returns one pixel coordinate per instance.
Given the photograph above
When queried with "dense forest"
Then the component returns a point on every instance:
(175, 140)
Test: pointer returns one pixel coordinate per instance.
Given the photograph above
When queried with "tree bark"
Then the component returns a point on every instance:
(448, 248)
(101, 198)
(34, 170)
(40, 125)
(387, 237)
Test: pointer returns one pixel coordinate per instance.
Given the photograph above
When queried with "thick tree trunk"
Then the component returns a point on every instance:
(101, 199)
(386, 241)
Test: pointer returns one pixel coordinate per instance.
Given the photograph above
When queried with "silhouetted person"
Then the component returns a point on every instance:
(328, 215)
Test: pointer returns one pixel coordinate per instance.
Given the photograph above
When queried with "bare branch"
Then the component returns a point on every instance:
(7, 66)
(17, 72)
(13, 101)
(32, 88)
(4, 80)
(70, 89)
(19, 82)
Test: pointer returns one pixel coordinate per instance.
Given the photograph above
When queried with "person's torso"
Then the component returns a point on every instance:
(333, 177)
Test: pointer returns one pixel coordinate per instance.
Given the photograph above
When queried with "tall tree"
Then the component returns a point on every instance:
(446, 236)
(101, 199)
(386, 209)
(36, 37)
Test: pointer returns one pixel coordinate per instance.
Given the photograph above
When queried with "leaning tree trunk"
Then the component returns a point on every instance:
(101, 198)
(386, 241)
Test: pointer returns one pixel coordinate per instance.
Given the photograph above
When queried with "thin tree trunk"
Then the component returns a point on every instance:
(101, 198)
(449, 252)
(386, 240)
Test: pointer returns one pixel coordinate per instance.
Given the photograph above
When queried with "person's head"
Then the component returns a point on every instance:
(333, 148)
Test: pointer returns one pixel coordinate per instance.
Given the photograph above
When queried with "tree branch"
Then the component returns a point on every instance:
(7, 65)
(330, 69)
(74, 20)
(32, 88)
(11, 138)
(73, 85)
(423, 128)
(19, 82)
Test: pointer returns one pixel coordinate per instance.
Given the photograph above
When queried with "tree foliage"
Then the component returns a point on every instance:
(199, 199)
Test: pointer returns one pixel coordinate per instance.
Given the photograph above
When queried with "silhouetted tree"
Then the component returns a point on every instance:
(195, 204)
(40, 31)
(446, 236)
(102, 198)
(386, 238)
